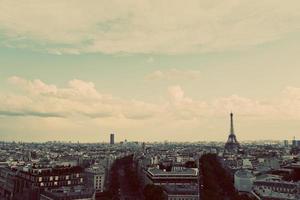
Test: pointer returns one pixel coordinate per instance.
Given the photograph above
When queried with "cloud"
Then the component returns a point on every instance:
(34, 87)
(97, 114)
(76, 88)
(244, 106)
(174, 74)
(79, 107)
(29, 113)
(177, 95)
(144, 26)
(285, 106)
(81, 100)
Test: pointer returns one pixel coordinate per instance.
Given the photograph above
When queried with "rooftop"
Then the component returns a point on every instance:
(182, 172)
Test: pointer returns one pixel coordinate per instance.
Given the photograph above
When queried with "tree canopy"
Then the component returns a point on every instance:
(217, 182)
(153, 192)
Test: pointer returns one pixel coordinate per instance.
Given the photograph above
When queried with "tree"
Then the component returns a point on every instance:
(153, 192)
(190, 164)
(217, 182)
(104, 196)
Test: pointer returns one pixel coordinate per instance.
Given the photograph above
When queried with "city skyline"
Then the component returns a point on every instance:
(80, 71)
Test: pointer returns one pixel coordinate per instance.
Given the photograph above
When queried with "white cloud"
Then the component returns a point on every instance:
(172, 26)
(34, 87)
(174, 74)
(82, 99)
(78, 107)
(79, 98)
(244, 106)
(177, 95)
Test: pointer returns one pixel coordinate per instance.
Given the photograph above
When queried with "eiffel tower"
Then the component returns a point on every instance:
(232, 145)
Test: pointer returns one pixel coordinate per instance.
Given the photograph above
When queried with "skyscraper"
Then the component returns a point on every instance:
(112, 138)
(286, 143)
(232, 145)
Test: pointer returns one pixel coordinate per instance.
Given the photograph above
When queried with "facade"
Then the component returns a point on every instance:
(14, 187)
(52, 177)
(243, 181)
(232, 146)
(8, 180)
(95, 178)
(179, 192)
(68, 193)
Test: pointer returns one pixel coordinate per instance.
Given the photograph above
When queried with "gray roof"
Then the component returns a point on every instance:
(244, 174)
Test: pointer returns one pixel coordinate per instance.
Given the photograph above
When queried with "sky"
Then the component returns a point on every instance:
(149, 70)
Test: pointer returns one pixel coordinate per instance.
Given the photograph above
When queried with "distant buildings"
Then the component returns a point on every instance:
(296, 143)
(56, 170)
(286, 143)
(112, 139)
(68, 171)
(295, 146)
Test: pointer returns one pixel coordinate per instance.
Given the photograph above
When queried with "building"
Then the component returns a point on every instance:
(8, 186)
(112, 138)
(51, 177)
(68, 193)
(275, 188)
(286, 143)
(296, 143)
(232, 146)
(243, 180)
(180, 192)
(179, 183)
(95, 178)
(12, 187)
(185, 176)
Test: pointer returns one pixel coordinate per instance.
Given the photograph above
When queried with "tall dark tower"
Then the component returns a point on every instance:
(232, 145)
(112, 139)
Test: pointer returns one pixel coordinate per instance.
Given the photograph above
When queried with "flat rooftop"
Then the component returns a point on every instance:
(182, 172)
